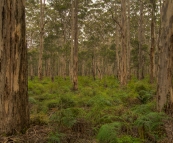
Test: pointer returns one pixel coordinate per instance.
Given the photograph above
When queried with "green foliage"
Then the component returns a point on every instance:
(53, 103)
(67, 117)
(108, 133)
(67, 100)
(151, 121)
(55, 137)
(129, 139)
(144, 96)
(100, 107)
(32, 100)
(39, 119)
(141, 89)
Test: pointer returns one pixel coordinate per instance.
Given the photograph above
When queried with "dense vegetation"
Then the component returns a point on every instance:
(100, 71)
(100, 111)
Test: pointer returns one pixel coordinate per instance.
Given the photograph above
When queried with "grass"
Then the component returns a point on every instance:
(100, 110)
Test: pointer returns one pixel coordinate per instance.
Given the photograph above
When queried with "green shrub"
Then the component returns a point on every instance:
(67, 100)
(108, 133)
(144, 96)
(55, 137)
(39, 119)
(42, 108)
(52, 104)
(66, 117)
(129, 139)
(32, 100)
(37, 92)
(151, 121)
(144, 108)
(87, 91)
(30, 85)
(66, 89)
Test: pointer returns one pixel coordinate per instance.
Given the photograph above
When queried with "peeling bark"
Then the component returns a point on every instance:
(14, 112)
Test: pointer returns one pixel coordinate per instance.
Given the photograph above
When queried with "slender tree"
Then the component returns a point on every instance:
(128, 40)
(14, 114)
(123, 60)
(140, 41)
(42, 23)
(165, 74)
(152, 49)
(74, 49)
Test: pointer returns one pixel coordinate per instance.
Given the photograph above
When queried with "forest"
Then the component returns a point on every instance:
(86, 71)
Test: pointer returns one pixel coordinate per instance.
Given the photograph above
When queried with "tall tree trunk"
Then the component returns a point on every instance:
(117, 53)
(75, 45)
(164, 86)
(93, 65)
(128, 41)
(140, 40)
(31, 68)
(123, 60)
(14, 111)
(40, 74)
(152, 50)
(72, 37)
(52, 67)
(158, 41)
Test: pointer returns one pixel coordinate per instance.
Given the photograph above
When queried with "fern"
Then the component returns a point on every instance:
(129, 139)
(143, 109)
(108, 133)
(150, 121)
(55, 137)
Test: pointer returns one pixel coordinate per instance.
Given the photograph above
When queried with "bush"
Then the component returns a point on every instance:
(108, 133)
(39, 119)
(55, 137)
(67, 101)
(129, 139)
(52, 103)
(32, 100)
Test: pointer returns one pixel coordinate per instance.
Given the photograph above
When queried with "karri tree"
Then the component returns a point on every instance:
(164, 86)
(42, 24)
(74, 44)
(14, 112)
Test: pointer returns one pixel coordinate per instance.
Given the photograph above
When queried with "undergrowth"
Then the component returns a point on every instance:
(100, 111)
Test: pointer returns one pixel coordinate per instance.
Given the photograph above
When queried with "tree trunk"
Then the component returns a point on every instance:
(140, 40)
(93, 65)
(164, 86)
(117, 53)
(40, 74)
(128, 42)
(123, 60)
(152, 50)
(75, 45)
(31, 69)
(14, 112)
(72, 38)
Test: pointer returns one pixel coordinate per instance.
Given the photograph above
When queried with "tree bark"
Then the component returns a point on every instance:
(117, 53)
(123, 60)
(31, 69)
(140, 40)
(14, 112)
(152, 50)
(40, 61)
(128, 42)
(164, 86)
(75, 44)
(72, 39)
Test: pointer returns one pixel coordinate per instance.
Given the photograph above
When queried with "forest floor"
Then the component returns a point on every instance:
(101, 111)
